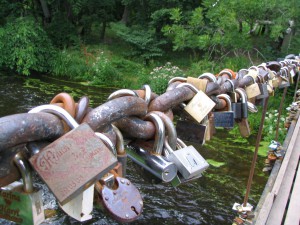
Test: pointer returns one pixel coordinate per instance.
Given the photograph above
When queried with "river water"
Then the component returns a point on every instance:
(208, 200)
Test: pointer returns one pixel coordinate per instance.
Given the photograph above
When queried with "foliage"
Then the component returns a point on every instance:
(160, 76)
(103, 71)
(270, 126)
(70, 64)
(143, 42)
(62, 32)
(24, 46)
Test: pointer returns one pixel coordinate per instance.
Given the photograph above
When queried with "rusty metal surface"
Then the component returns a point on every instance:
(134, 127)
(141, 94)
(81, 108)
(73, 162)
(125, 203)
(273, 65)
(8, 170)
(114, 110)
(171, 99)
(25, 127)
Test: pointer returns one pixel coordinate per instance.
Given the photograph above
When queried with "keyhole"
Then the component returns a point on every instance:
(167, 172)
(134, 210)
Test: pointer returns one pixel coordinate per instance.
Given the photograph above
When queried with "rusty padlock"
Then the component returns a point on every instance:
(122, 199)
(79, 150)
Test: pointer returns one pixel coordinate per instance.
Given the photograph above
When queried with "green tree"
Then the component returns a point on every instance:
(24, 46)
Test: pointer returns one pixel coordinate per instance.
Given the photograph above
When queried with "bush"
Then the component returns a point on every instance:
(24, 46)
(160, 76)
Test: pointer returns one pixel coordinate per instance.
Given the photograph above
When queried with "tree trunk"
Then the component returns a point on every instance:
(125, 16)
(240, 26)
(45, 10)
(102, 32)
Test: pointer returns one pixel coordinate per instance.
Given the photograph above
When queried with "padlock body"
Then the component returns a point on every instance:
(190, 131)
(237, 109)
(79, 150)
(188, 161)
(224, 119)
(157, 165)
(244, 110)
(263, 90)
(21, 207)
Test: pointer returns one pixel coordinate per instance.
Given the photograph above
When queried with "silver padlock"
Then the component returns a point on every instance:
(188, 160)
(20, 202)
(150, 157)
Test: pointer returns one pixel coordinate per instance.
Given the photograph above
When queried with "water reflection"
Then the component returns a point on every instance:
(206, 201)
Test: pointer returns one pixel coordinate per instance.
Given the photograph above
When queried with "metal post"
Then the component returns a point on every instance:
(261, 126)
(279, 112)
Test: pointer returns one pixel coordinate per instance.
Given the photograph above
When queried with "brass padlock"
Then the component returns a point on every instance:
(200, 84)
(20, 202)
(200, 105)
(79, 150)
(252, 90)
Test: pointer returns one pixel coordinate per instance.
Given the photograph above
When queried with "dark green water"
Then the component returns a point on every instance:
(208, 200)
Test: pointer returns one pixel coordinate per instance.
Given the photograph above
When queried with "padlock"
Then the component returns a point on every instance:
(253, 89)
(243, 122)
(232, 94)
(79, 149)
(200, 84)
(237, 108)
(200, 105)
(21, 202)
(149, 154)
(81, 206)
(122, 200)
(191, 131)
(224, 118)
(179, 179)
(188, 160)
(285, 81)
(264, 93)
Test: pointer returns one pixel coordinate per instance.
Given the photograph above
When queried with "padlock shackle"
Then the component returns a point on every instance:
(242, 94)
(120, 141)
(251, 107)
(159, 134)
(227, 99)
(174, 79)
(208, 76)
(121, 93)
(81, 108)
(190, 86)
(170, 128)
(148, 92)
(58, 111)
(179, 144)
(25, 171)
(108, 143)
